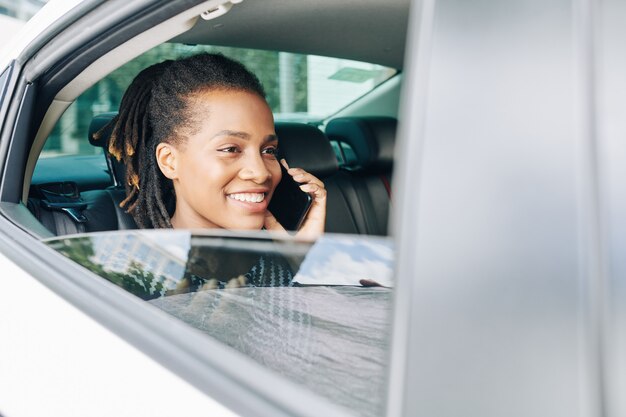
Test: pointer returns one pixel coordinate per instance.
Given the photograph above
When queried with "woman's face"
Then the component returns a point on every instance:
(225, 168)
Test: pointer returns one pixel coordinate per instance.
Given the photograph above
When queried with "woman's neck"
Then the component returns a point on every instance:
(190, 220)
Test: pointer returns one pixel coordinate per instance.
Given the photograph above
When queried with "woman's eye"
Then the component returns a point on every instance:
(229, 149)
(272, 150)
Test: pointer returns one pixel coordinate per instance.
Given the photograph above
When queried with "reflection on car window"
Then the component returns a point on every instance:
(300, 309)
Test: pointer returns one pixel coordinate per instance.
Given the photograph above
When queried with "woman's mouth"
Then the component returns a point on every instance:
(250, 203)
(248, 197)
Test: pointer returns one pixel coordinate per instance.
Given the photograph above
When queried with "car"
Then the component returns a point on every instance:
(472, 154)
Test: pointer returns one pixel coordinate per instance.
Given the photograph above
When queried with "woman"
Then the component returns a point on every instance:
(197, 138)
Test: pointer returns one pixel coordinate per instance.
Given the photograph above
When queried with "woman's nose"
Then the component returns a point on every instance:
(254, 169)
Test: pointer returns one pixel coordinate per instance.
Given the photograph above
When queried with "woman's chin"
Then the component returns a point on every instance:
(248, 224)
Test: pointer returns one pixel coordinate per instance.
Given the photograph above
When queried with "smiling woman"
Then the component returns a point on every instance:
(197, 139)
(226, 171)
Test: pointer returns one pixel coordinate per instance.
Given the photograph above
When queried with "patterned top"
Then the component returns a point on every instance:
(269, 271)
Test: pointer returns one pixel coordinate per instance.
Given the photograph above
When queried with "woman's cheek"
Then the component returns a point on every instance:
(276, 174)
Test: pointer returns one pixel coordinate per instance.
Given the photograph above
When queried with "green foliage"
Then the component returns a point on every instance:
(135, 279)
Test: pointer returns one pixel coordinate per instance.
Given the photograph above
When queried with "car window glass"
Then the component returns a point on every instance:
(326, 330)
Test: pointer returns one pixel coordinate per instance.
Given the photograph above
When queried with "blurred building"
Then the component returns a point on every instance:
(122, 253)
(14, 13)
(21, 9)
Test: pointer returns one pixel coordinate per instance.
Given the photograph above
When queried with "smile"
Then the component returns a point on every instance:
(248, 197)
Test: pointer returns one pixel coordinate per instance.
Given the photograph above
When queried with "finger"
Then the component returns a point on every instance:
(302, 177)
(285, 164)
(369, 283)
(237, 282)
(308, 179)
(315, 190)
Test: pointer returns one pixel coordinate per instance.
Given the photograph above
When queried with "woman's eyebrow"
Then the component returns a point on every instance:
(242, 135)
(235, 133)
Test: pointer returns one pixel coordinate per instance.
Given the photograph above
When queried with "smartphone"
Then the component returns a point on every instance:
(289, 203)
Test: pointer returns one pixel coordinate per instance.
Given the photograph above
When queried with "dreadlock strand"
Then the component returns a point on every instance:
(152, 211)
(159, 194)
(130, 196)
(113, 147)
(145, 150)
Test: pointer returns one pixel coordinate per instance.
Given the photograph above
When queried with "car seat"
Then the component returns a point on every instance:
(372, 139)
(63, 210)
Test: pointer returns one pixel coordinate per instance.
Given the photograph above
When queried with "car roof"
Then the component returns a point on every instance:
(364, 30)
(312, 28)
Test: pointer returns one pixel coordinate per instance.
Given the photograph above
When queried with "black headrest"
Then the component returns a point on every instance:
(371, 137)
(97, 123)
(117, 169)
(305, 146)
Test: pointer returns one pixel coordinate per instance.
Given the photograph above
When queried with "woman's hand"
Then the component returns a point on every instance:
(313, 225)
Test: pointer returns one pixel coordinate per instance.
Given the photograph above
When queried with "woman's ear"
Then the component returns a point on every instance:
(166, 156)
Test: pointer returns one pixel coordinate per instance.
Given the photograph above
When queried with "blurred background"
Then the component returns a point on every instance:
(14, 13)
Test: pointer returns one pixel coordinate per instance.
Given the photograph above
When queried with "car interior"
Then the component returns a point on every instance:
(350, 148)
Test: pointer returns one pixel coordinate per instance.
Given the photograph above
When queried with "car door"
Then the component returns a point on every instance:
(73, 343)
(59, 354)
(610, 96)
(510, 259)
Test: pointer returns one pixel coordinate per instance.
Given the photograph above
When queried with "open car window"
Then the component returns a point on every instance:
(318, 314)
(299, 87)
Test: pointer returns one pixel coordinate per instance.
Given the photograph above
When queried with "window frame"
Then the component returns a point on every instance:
(5, 77)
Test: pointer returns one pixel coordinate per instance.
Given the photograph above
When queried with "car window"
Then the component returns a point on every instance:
(327, 329)
(304, 88)
(316, 313)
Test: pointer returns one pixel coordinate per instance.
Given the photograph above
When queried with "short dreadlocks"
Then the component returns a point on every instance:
(155, 109)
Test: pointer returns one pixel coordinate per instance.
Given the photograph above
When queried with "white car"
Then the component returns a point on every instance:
(484, 278)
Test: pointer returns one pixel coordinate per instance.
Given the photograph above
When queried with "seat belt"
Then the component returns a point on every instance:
(63, 201)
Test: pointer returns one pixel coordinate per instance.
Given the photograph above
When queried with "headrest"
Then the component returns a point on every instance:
(305, 146)
(116, 168)
(371, 137)
(97, 123)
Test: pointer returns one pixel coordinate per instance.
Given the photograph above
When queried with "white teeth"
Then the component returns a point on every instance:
(248, 197)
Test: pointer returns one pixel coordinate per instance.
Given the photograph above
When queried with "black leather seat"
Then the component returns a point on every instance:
(95, 210)
(98, 210)
(307, 147)
(114, 195)
(372, 139)
(116, 169)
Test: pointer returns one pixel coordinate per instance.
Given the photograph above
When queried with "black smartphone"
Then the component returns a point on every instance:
(289, 203)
